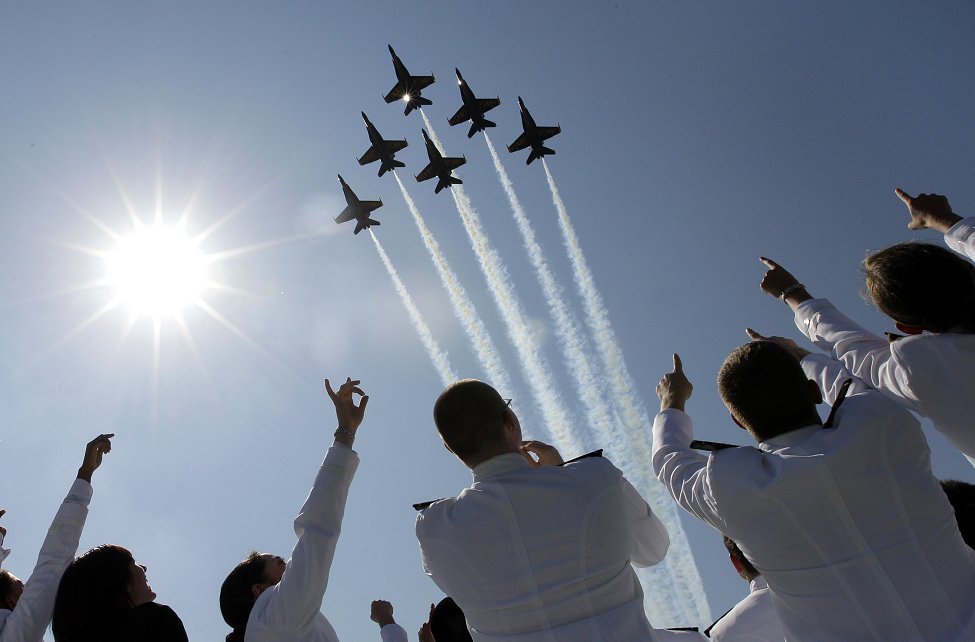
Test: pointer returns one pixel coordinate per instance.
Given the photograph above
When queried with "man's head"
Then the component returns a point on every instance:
(447, 622)
(11, 589)
(475, 422)
(739, 561)
(961, 495)
(766, 391)
(922, 286)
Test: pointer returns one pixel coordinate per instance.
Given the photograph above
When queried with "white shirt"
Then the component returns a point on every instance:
(393, 633)
(544, 554)
(27, 622)
(961, 237)
(754, 619)
(290, 611)
(849, 527)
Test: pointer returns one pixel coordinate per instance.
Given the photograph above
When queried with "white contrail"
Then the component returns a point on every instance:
(575, 349)
(534, 367)
(437, 356)
(463, 308)
(680, 574)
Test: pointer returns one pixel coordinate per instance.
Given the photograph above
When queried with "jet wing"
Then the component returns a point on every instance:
(393, 146)
(460, 116)
(396, 93)
(427, 173)
(487, 104)
(520, 143)
(420, 82)
(453, 163)
(347, 215)
(547, 132)
(369, 206)
(371, 156)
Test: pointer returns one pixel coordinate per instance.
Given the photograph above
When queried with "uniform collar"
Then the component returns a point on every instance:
(790, 438)
(757, 584)
(498, 465)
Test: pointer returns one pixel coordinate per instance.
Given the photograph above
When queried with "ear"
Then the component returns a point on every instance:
(738, 565)
(737, 423)
(907, 329)
(815, 394)
(257, 589)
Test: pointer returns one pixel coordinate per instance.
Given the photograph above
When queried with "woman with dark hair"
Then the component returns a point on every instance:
(265, 599)
(930, 294)
(104, 597)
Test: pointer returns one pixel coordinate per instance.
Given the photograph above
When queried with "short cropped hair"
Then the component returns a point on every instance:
(737, 555)
(447, 622)
(763, 386)
(7, 581)
(962, 498)
(923, 285)
(469, 416)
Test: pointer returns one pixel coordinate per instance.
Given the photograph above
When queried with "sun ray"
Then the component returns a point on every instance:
(95, 316)
(156, 342)
(240, 207)
(74, 289)
(227, 323)
(197, 356)
(256, 247)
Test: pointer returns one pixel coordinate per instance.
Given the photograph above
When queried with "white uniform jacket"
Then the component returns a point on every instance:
(27, 622)
(290, 611)
(849, 527)
(544, 554)
(754, 619)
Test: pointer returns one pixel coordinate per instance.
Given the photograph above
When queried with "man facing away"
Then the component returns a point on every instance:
(535, 550)
(846, 523)
(754, 619)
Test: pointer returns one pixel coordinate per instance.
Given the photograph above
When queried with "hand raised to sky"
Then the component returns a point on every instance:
(94, 451)
(928, 211)
(780, 283)
(790, 345)
(674, 388)
(349, 415)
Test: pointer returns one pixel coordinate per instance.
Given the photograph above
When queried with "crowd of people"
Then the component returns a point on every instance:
(839, 525)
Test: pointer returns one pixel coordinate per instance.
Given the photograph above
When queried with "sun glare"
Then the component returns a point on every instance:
(157, 271)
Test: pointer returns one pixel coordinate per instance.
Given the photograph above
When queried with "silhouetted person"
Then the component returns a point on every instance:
(26, 609)
(266, 599)
(962, 498)
(847, 524)
(381, 612)
(754, 619)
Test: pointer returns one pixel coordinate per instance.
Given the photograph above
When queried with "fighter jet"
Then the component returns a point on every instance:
(439, 166)
(473, 108)
(381, 150)
(533, 135)
(356, 209)
(407, 87)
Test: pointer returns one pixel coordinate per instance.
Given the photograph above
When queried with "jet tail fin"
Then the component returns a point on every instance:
(391, 165)
(364, 225)
(447, 182)
(544, 151)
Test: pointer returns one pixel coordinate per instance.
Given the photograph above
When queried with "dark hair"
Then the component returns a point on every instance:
(750, 571)
(923, 285)
(962, 498)
(448, 624)
(93, 596)
(470, 417)
(236, 597)
(764, 387)
(7, 581)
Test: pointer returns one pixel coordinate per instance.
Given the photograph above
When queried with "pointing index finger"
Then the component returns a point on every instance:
(904, 196)
(768, 262)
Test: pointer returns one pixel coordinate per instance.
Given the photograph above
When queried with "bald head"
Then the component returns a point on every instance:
(471, 417)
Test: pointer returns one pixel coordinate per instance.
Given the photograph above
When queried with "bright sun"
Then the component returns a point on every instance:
(157, 271)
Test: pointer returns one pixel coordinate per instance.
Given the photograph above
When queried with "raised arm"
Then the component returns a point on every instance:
(297, 598)
(33, 612)
(933, 212)
(681, 470)
(4, 552)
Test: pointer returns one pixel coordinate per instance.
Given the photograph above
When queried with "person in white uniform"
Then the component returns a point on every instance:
(535, 550)
(381, 612)
(930, 294)
(847, 524)
(266, 599)
(754, 619)
(26, 608)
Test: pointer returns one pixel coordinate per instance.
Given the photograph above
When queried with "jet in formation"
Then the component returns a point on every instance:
(408, 88)
(356, 209)
(473, 108)
(380, 149)
(439, 166)
(533, 136)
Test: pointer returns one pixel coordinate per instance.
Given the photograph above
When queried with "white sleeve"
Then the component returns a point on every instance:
(297, 598)
(830, 375)
(869, 357)
(648, 535)
(961, 237)
(683, 471)
(4, 552)
(28, 621)
(393, 633)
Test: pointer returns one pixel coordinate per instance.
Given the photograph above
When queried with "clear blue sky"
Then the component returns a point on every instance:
(696, 137)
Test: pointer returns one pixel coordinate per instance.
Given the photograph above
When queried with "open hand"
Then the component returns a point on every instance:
(790, 345)
(347, 412)
(928, 211)
(675, 388)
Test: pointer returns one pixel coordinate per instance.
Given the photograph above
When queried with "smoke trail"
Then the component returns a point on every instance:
(463, 308)
(680, 569)
(533, 364)
(572, 340)
(437, 356)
